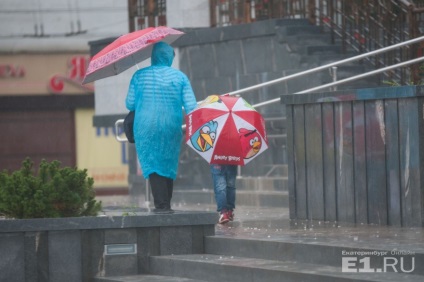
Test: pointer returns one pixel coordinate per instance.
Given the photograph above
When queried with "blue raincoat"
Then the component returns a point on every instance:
(157, 94)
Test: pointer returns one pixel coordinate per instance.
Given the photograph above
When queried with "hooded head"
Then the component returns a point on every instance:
(162, 54)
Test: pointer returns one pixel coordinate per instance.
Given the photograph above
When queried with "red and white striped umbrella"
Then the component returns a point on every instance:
(226, 130)
(127, 50)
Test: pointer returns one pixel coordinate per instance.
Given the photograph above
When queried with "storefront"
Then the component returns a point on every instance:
(45, 113)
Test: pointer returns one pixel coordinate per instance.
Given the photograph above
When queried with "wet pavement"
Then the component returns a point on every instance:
(274, 224)
(328, 233)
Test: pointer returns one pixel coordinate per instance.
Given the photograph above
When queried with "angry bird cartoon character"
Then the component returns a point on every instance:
(203, 139)
(209, 100)
(250, 141)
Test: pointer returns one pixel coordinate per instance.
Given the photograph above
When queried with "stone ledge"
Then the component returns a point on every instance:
(179, 218)
(365, 94)
(75, 249)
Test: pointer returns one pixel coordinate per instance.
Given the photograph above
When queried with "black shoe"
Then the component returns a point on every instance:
(163, 211)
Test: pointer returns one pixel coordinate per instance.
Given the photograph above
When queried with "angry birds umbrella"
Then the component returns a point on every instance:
(226, 130)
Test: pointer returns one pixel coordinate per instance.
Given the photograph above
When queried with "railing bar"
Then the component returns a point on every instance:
(270, 171)
(410, 62)
(272, 101)
(355, 58)
(277, 136)
(274, 118)
(344, 80)
(406, 3)
(418, 10)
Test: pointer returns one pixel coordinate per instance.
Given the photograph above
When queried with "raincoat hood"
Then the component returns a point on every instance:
(162, 54)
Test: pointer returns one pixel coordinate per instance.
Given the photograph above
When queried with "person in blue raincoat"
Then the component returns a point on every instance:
(157, 94)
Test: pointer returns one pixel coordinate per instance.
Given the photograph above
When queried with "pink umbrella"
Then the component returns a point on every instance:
(226, 130)
(126, 51)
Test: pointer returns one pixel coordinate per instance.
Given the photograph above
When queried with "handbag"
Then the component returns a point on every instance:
(129, 126)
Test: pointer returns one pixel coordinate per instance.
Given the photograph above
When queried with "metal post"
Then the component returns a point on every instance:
(333, 73)
(147, 199)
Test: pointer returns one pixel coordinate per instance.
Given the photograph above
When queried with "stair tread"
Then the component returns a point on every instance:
(239, 192)
(344, 243)
(146, 278)
(223, 261)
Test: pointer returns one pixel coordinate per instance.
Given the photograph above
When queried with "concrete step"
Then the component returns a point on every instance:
(245, 198)
(324, 49)
(264, 245)
(275, 182)
(291, 30)
(264, 171)
(324, 59)
(314, 48)
(276, 123)
(259, 183)
(145, 278)
(242, 269)
(344, 72)
(309, 251)
(290, 22)
(306, 39)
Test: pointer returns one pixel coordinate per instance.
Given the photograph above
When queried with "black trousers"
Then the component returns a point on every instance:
(162, 188)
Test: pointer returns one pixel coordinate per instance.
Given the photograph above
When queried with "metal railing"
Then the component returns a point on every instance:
(119, 122)
(361, 25)
(368, 25)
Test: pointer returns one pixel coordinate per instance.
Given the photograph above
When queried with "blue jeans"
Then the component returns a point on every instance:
(224, 184)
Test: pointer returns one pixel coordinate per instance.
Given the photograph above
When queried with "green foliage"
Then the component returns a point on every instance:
(53, 192)
(410, 83)
(395, 83)
(129, 211)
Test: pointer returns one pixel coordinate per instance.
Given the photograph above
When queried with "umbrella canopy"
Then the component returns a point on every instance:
(226, 130)
(126, 51)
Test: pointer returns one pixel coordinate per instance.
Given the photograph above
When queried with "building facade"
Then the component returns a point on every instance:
(45, 112)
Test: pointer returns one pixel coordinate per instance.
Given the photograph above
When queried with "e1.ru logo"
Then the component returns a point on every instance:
(388, 263)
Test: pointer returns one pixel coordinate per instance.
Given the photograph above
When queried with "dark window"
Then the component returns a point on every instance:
(230, 12)
(147, 13)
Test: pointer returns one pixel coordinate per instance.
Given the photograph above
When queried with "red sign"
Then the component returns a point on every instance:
(75, 74)
(9, 70)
